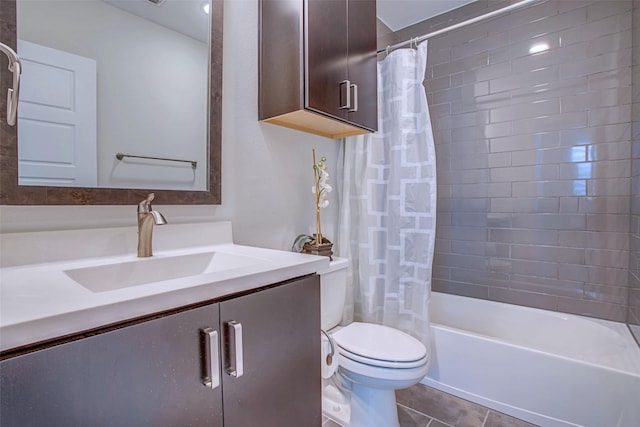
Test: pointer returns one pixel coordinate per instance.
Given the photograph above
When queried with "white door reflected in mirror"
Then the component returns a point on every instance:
(57, 118)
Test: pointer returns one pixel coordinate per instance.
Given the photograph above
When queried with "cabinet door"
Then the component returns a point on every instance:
(326, 61)
(363, 62)
(280, 384)
(148, 374)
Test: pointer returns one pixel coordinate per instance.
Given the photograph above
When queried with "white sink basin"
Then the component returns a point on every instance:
(109, 277)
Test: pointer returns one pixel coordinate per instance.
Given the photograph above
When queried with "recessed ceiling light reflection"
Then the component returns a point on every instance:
(206, 7)
(538, 47)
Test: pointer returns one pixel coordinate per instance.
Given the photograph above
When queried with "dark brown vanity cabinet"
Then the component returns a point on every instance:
(159, 372)
(318, 65)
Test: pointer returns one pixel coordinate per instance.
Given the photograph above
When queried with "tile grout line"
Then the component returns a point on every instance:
(486, 417)
(431, 418)
(416, 411)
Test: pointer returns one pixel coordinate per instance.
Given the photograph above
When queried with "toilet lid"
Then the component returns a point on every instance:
(379, 342)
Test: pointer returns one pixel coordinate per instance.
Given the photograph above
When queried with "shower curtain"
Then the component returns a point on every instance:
(388, 203)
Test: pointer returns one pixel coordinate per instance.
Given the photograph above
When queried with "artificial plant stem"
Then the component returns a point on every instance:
(316, 183)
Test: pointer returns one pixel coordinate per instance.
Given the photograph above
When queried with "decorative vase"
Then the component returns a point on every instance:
(323, 249)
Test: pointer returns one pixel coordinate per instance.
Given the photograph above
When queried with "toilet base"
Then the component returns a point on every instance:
(335, 402)
(373, 407)
(359, 406)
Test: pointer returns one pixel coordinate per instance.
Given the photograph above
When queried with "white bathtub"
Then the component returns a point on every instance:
(551, 369)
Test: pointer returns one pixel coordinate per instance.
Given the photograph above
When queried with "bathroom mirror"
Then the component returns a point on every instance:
(158, 171)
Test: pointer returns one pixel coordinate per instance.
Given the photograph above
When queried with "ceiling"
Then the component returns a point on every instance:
(186, 16)
(398, 14)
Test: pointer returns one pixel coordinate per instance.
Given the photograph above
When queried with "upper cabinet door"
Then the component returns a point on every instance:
(362, 61)
(317, 66)
(327, 50)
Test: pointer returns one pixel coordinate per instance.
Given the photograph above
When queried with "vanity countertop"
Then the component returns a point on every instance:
(39, 301)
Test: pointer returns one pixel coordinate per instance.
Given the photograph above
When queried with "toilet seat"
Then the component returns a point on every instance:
(382, 363)
(370, 373)
(380, 346)
(379, 342)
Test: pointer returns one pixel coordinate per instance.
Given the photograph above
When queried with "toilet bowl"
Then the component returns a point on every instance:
(373, 361)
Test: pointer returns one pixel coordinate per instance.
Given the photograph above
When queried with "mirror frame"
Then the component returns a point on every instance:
(13, 194)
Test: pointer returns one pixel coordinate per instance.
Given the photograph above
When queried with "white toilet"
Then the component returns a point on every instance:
(372, 361)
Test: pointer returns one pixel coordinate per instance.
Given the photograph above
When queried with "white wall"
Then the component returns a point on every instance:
(266, 175)
(152, 88)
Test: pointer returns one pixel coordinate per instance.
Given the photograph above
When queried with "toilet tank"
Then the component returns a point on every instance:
(333, 292)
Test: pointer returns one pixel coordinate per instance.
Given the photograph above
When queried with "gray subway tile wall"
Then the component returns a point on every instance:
(538, 154)
(633, 314)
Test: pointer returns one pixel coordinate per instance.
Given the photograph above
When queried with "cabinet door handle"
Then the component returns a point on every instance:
(211, 378)
(234, 330)
(355, 97)
(345, 84)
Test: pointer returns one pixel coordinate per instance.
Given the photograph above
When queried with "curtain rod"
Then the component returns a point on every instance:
(417, 40)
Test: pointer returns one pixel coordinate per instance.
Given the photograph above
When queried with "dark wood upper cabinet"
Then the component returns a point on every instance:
(317, 66)
(362, 63)
(327, 57)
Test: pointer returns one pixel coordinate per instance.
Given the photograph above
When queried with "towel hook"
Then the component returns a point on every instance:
(15, 66)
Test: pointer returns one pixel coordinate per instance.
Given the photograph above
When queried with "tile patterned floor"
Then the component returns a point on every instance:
(422, 406)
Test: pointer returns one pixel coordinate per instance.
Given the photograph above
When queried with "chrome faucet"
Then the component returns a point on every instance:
(147, 217)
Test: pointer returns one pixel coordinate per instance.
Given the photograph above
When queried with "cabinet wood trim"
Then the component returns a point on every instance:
(310, 122)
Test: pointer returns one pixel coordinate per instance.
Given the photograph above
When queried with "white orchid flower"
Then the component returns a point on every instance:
(320, 190)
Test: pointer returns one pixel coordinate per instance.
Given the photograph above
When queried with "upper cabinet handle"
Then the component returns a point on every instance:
(355, 97)
(345, 84)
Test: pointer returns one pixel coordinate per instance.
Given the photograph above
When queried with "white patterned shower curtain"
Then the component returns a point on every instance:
(388, 203)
